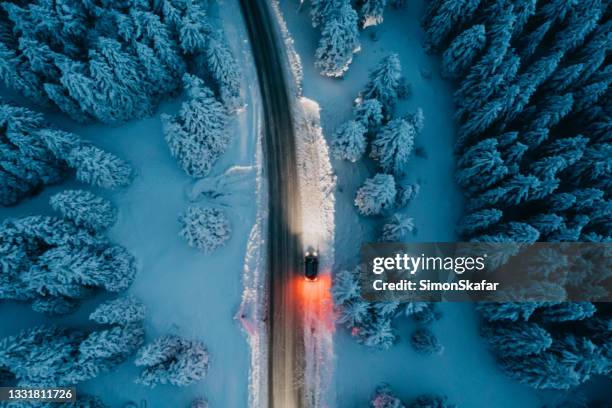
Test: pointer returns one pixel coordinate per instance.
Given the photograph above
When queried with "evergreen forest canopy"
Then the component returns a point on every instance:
(110, 61)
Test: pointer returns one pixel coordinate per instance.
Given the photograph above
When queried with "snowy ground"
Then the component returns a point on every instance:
(186, 292)
(317, 189)
(466, 371)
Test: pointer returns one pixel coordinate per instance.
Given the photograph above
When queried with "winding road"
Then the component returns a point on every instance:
(286, 343)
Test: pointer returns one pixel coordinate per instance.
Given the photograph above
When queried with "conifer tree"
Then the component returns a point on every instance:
(339, 41)
(349, 142)
(385, 83)
(172, 360)
(376, 195)
(368, 112)
(517, 339)
(393, 145)
(197, 136)
(371, 12)
(462, 51)
(84, 209)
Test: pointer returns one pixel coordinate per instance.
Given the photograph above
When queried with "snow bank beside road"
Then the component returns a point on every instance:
(317, 187)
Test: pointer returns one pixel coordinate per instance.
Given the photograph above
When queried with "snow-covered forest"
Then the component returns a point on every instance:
(92, 141)
(129, 186)
(529, 83)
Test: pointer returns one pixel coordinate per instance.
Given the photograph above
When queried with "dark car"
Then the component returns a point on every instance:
(311, 265)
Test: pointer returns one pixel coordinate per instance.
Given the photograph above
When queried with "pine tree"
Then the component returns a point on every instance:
(225, 71)
(479, 221)
(371, 12)
(425, 342)
(385, 83)
(349, 142)
(514, 191)
(446, 17)
(396, 228)
(84, 209)
(567, 311)
(48, 356)
(378, 334)
(121, 311)
(345, 287)
(393, 145)
(353, 313)
(99, 168)
(204, 228)
(339, 41)
(322, 10)
(368, 112)
(376, 195)
(197, 136)
(384, 398)
(172, 360)
(194, 29)
(462, 51)
(406, 193)
(507, 311)
(481, 166)
(582, 20)
(517, 338)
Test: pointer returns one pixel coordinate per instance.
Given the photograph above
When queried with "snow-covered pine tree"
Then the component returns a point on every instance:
(85, 209)
(392, 146)
(462, 51)
(172, 360)
(339, 41)
(121, 311)
(425, 342)
(223, 67)
(197, 136)
(479, 221)
(349, 142)
(54, 263)
(371, 12)
(99, 168)
(517, 338)
(385, 83)
(396, 228)
(67, 356)
(445, 17)
(368, 112)
(376, 195)
(204, 228)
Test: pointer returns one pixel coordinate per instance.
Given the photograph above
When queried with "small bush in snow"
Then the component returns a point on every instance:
(204, 228)
(376, 195)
